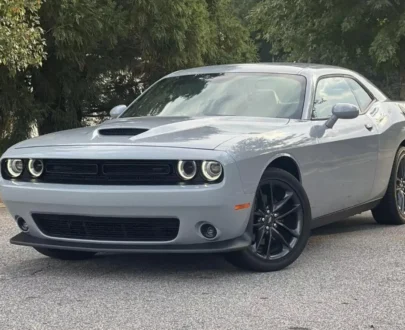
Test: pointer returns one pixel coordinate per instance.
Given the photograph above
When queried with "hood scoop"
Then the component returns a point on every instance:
(121, 131)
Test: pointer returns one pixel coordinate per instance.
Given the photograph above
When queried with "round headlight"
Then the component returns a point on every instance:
(211, 170)
(15, 167)
(187, 169)
(36, 167)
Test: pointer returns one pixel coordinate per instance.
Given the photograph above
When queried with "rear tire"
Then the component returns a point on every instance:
(65, 254)
(284, 229)
(391, 210)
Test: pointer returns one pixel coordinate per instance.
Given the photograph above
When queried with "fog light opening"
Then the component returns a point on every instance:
(22, 224)
(208, 231)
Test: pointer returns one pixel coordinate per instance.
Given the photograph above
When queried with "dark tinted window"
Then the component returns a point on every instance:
(361, 95)
(329, 92)
(224, 94)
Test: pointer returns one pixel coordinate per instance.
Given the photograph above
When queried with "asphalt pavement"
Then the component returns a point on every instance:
(350, 276)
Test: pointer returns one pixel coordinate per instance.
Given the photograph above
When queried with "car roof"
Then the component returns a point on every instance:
(305, 69)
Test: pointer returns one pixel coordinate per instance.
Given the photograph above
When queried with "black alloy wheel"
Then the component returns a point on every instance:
(280, 224)
(278, 220)
(391, 210)
(400, 186)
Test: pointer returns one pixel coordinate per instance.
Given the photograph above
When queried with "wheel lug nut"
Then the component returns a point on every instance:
(267, 227)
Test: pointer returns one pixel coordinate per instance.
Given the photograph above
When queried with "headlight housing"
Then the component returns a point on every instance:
(15, 167)
(211, 170)
(36, 167)
(187, 169)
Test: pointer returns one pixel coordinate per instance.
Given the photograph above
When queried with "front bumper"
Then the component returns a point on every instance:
(192, 205)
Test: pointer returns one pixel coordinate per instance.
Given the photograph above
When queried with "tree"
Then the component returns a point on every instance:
(230, 39)
(21, 43)
(242, 9)
(81, 40)
(368, 36)
(21, 46)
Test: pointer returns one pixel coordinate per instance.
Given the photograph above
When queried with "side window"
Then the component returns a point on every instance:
(363, 98)
(329, 92)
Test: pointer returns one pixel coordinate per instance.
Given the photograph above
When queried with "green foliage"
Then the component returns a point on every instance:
(21, 46)
(230, 41)
(242, 8)
(21, 43)
(367, 36)
(81, 38)
(17, 113)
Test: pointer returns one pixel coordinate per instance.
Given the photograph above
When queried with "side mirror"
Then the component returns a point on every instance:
(342, 111)
(117, 111)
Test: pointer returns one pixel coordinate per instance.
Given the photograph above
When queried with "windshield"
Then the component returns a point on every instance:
(223, 94)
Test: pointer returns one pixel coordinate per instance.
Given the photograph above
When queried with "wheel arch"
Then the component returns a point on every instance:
(287, 163)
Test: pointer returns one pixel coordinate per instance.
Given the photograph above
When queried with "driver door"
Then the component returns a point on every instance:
(346, 155)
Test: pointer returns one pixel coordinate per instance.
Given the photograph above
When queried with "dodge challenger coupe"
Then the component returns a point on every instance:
(238, 159)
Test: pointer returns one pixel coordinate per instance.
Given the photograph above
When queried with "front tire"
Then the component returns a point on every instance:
(65, 254)
(280, 224)
(391, 210)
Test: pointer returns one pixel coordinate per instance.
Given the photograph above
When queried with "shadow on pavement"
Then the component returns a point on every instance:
(173, 267)
(356, 223)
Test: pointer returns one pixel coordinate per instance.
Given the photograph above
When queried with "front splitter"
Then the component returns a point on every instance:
(212, 247)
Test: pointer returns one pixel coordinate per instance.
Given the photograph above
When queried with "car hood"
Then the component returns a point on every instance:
(180, 132)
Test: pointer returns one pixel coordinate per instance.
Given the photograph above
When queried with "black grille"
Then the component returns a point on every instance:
(70, 168)
(121, 131)
(107, 228)
(110, 172)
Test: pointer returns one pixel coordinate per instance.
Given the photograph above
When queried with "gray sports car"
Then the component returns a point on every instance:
(238, 159)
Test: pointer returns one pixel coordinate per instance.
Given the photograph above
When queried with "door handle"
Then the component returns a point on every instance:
(369, 127)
